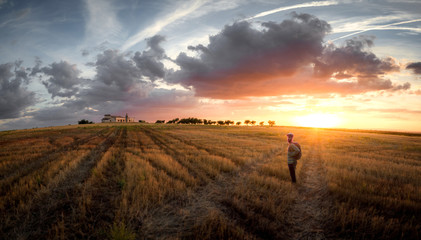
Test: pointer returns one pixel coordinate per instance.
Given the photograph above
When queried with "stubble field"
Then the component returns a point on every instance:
(161, 181)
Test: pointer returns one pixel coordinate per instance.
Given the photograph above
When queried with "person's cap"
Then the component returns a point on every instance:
(290, 134)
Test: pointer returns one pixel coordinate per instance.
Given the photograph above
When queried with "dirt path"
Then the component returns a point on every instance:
(309, 213)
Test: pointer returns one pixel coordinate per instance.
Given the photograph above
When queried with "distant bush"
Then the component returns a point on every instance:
(84, 121)
(160, 121)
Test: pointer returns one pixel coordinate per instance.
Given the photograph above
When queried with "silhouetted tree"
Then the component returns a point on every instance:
(238, 123)
(247, 122)
(229, 122)
(253, 122)
(261, 123)
(220, 122)
(160, 121)
(175, 120)
(271, 123)
(190, 121)
(84, 121)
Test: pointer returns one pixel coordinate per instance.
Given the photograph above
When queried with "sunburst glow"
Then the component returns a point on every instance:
(322, 120)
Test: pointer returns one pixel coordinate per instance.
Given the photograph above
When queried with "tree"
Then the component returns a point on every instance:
(238, 123)
(228, 122)
(220, 122)
(247, 122)
(190, 121)
(271, 123)
(175, 120)
(160, 121)
(84, 121)
(253, 122)
(261, 123)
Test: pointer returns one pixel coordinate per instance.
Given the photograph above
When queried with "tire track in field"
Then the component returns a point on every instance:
(10, 179)
(47, 207)
(309, 214)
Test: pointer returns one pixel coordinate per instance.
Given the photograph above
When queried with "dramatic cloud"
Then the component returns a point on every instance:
(415, 67)
(118, 83)
(352, 62)
(240, 57)
(63, 79)
(149, 61)
(14, 97)
(282, 58)
(113, 68)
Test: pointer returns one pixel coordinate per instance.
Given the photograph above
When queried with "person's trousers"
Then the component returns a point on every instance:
(292, 171)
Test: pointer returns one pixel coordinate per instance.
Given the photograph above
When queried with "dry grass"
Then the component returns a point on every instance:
(135, 181)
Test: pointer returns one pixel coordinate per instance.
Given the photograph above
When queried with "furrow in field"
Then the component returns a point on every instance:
(238, 150)
(50, 206)
(12, 177)
(22, 191)
(95, 208)
(177, 153)
(210, 210)
(145, 148)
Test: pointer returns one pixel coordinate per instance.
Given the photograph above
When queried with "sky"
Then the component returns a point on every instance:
(344, 63)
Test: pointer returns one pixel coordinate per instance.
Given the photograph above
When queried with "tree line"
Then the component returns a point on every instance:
(195, 121)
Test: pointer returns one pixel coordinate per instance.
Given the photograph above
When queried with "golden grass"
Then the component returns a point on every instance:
(138, 181)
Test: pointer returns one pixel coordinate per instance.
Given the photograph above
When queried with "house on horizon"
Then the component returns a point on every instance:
(110, 118)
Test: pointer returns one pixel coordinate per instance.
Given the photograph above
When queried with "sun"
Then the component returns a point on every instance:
(319, 120)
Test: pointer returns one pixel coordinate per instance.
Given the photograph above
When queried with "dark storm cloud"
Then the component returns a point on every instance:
(14, 97)
(63, 79)
(149, 61)
(243, 61)
(415, 67)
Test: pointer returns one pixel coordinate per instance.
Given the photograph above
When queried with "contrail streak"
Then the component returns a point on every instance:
(377, 28)
(179, 13)
(303, 5)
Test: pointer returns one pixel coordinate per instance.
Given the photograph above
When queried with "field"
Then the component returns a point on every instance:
(162, 181)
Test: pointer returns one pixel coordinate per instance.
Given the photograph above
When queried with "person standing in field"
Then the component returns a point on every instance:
(294, 153)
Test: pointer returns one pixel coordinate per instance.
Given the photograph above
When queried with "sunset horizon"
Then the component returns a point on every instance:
(324, 64)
